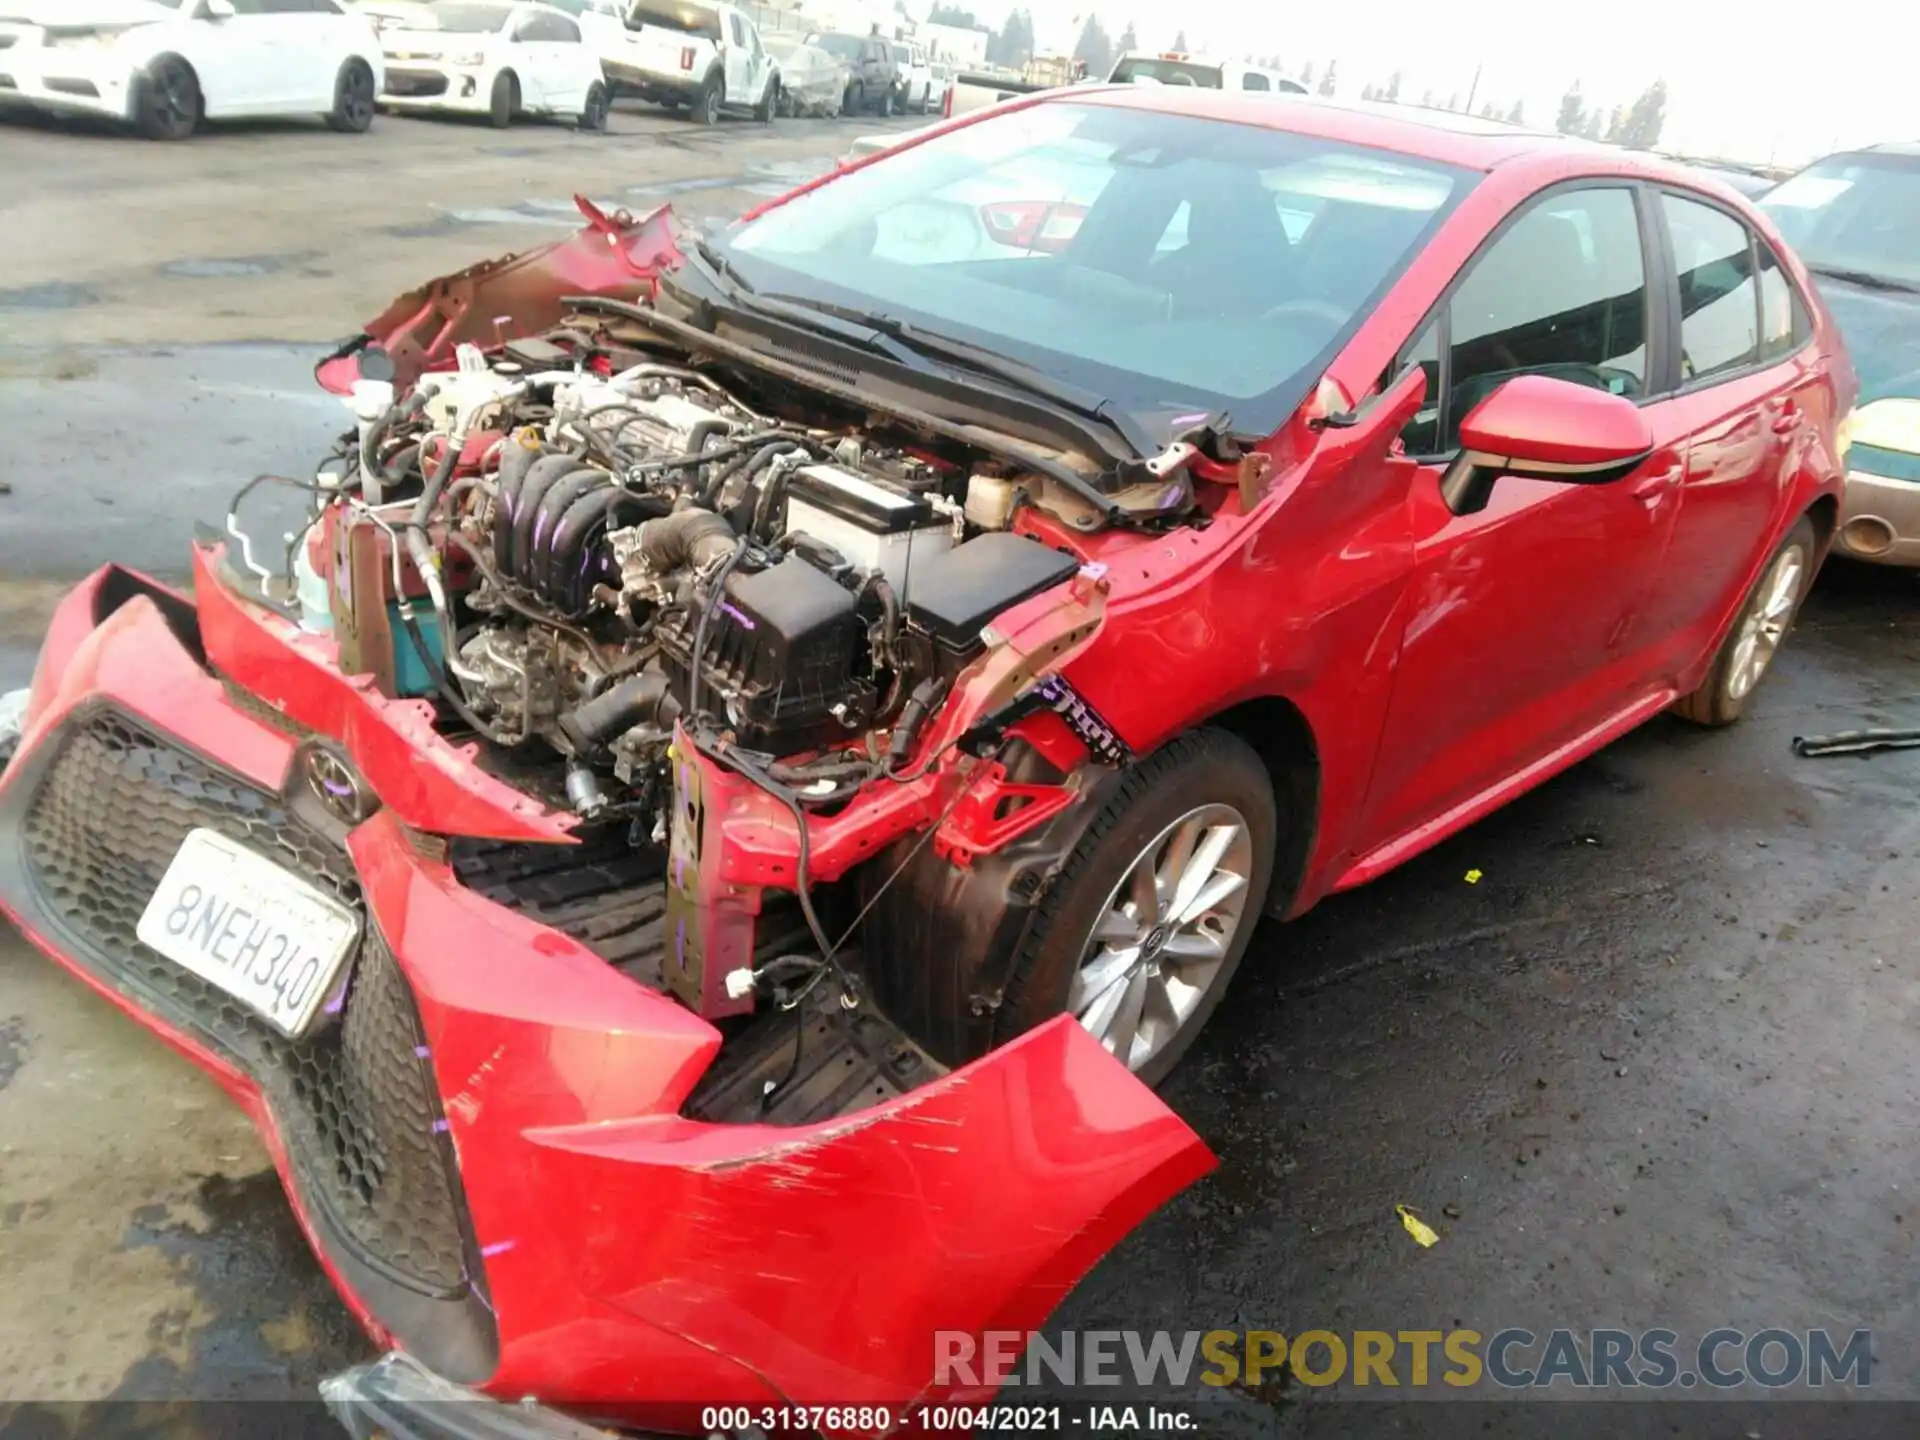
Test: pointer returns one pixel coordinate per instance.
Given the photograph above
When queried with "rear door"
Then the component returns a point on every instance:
(1747, 389)
(1521, 636)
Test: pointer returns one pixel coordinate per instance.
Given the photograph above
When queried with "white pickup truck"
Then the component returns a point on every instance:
(692, 54)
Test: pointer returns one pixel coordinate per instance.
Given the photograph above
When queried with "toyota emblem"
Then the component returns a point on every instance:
(333, 782)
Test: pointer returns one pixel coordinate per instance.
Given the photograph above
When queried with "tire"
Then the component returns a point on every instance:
(885, 108)
(504, 103)
(926, 101)
(769, 104)
(168, 103)
(1752, 642)
(1188, 790)
(353, 99)
(593, 115)
(854, 101)
(706, 108)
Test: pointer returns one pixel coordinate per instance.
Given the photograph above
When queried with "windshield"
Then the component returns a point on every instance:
(1854, 212)
(1137, 68)
(464, 19)
(841, 47)
(1171, 264)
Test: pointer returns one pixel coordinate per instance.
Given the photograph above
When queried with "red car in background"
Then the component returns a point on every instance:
(773, 738)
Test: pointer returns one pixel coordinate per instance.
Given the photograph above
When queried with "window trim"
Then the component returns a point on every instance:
(1658, 317)
(1755, 240)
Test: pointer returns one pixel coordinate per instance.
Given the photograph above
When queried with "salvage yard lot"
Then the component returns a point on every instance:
(1651, 1067)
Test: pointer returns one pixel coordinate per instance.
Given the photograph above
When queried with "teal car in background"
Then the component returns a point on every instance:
(1855, 219)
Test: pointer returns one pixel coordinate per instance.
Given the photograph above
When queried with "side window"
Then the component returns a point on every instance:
(1252, 81)
(1563, 292)
(739, 30)
(560, 28)
(1719, 309)
(1784, 321)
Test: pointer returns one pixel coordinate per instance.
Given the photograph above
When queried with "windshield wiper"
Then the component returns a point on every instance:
(718, 264)
(1865, 279)
(980, 361)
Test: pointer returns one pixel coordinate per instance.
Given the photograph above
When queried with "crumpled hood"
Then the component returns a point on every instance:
(1882, 332)
(78, 14)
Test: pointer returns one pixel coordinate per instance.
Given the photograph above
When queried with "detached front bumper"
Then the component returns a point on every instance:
(485, 1142)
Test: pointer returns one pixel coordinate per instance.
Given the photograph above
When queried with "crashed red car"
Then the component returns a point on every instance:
(772, 742)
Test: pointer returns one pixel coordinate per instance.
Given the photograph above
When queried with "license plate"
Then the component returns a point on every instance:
(240, 922)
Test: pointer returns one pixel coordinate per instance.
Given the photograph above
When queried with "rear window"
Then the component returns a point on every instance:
(688, 19)
(1174, 264)
(1147, 70)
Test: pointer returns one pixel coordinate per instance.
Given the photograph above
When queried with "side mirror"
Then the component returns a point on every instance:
(1544, 429)
(219, 9)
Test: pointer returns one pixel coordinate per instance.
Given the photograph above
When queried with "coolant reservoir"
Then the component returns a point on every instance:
(990, 501)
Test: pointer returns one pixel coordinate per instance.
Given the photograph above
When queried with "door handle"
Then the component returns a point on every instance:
(1786, 418)
(1650, 490)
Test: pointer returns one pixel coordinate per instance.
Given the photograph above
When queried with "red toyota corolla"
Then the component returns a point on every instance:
(771, 743)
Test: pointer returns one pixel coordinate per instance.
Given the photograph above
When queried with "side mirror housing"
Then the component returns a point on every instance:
(1545, 429)
(219, 9)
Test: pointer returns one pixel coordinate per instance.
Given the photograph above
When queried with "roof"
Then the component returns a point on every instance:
(1440, 135)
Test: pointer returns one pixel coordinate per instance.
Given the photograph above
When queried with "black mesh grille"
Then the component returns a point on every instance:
(355, 1101)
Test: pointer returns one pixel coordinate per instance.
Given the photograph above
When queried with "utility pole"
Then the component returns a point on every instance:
(1475, 90)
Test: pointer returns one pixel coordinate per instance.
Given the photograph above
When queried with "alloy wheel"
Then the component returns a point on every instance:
(1765, 624)
(1164, 934)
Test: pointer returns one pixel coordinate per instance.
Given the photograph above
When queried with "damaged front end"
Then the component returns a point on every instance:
(608, 693)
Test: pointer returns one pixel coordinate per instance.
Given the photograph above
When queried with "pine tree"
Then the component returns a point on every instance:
(1180, 43)
(1573, 112)
(1518, 114)
(1328, 82)
(1647, 117)
(1392, 93)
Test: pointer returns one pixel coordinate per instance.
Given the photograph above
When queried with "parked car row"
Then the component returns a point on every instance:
(164, 66)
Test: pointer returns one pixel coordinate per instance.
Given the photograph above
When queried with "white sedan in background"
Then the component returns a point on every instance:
(480, 57)
(166, 65)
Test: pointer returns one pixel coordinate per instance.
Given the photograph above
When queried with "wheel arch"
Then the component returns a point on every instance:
(1277, 730)
(1824, 512)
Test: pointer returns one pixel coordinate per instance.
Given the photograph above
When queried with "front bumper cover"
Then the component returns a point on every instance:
(617, 1258)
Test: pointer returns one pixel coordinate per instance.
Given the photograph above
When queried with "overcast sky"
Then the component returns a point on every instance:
(1754, 80)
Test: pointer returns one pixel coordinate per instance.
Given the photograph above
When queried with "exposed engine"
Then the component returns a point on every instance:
(578, 559)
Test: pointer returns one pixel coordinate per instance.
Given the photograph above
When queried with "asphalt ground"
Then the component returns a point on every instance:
(1651, 1066)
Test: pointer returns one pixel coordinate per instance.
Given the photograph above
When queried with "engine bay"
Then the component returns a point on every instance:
(579, 553)
(575, 560)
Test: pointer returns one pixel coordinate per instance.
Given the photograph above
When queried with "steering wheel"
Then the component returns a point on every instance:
(1325, 310)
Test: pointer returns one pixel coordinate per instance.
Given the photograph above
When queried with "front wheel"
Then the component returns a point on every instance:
(1746, 655)
(353, 99)
(854, 101)
(886, 103)
(1142, 930)
(706, 108)
(504, 103)
(769, 102)
(593, 115)
(168, 102)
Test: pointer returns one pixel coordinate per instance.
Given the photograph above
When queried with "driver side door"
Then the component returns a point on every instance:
(741, 86)
(1522, 640)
